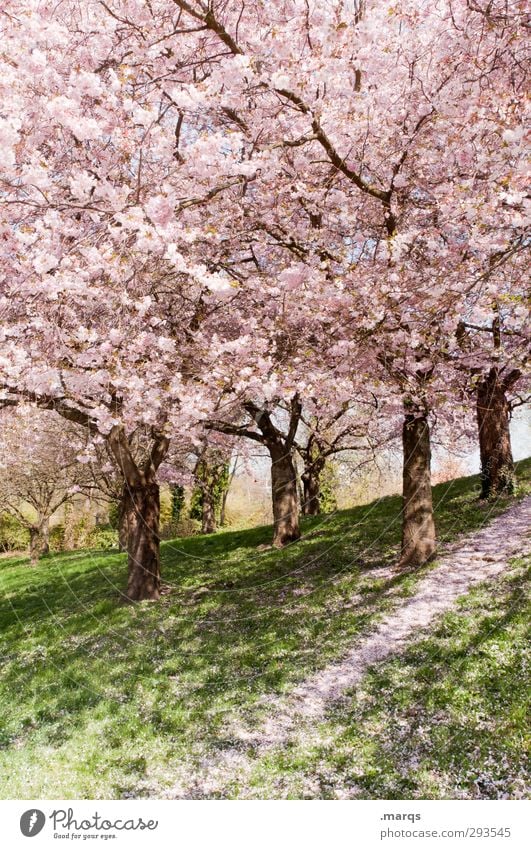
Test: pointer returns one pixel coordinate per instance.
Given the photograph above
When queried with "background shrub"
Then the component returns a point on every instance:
(13, 535)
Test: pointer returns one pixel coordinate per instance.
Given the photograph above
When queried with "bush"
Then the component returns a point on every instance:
(165, 507)
(13, 535)
(177, 502)
(329, 487)
(114, 511)
(103, 537)
(80, 532)
(83, 536)
(185, 527)
(57, 538)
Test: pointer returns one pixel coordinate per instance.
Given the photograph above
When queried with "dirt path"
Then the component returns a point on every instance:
(473, 559)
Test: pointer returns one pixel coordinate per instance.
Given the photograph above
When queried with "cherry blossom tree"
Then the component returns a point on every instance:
(280, 444)
(498, 378)
(39, 471)
(330, 430)
(211, 478)
(100, 307)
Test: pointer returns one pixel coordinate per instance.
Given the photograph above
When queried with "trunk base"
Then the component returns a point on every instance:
(282, 539)
(418, 556)
(285, 497)
(39, 544)
(142, 509)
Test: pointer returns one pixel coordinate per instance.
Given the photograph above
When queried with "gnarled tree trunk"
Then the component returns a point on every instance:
(142, 514)
(39, 540)
(497, 468)
(418, 526)
(284, 496)
(283, 472)
(140, 511)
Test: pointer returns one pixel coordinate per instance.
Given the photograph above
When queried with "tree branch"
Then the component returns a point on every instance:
(234, 430)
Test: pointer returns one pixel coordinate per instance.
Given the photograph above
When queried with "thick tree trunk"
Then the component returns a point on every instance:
(311, 503)
(141, 497)
(35, 550)
(39, 540)
(418, 526)
(284, 494)
(208, 515)
(497, 468)
(142, 514)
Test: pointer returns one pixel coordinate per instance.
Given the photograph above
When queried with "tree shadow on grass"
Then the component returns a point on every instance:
(221, 655)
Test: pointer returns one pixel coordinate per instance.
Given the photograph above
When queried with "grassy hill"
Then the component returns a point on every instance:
(99, 699)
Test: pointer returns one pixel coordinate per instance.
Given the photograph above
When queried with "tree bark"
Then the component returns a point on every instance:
(39, 540)
(208, 513)
(497, 467)
(35, 552)
(141, 516)
(418, 526)
(284, 496)
(141, 506)
(311, 487)
(45, 535)
(283, 471)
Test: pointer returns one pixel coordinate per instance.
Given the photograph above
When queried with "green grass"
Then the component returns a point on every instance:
(99, 699)
(445, 720)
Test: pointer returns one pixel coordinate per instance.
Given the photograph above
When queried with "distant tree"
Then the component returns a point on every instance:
(39, 471)
(177, 501)
(213, 478)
